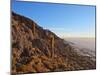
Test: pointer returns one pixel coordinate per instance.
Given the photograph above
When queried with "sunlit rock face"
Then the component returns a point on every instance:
(36, 50)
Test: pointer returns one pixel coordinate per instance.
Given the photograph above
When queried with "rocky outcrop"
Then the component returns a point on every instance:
(35, 50)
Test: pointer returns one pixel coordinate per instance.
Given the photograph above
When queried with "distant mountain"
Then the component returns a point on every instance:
(36, 50)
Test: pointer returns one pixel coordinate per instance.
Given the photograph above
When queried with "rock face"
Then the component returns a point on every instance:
(35, 50)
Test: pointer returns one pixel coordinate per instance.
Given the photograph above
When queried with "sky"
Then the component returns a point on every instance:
(65, 20)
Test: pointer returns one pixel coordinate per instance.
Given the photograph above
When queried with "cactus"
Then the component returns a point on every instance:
(33, 24)
(52, 45)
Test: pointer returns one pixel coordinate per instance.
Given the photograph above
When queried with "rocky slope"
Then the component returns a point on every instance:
(36, 50)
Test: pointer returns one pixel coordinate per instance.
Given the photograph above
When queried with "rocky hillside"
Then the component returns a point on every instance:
(36, 50)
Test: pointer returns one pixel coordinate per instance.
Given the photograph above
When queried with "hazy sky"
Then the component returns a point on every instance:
(64, 19)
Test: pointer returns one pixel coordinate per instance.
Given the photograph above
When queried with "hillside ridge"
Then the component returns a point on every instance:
(36, 50)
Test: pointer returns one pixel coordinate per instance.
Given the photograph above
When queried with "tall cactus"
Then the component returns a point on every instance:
(52, 45)
(33, 27)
